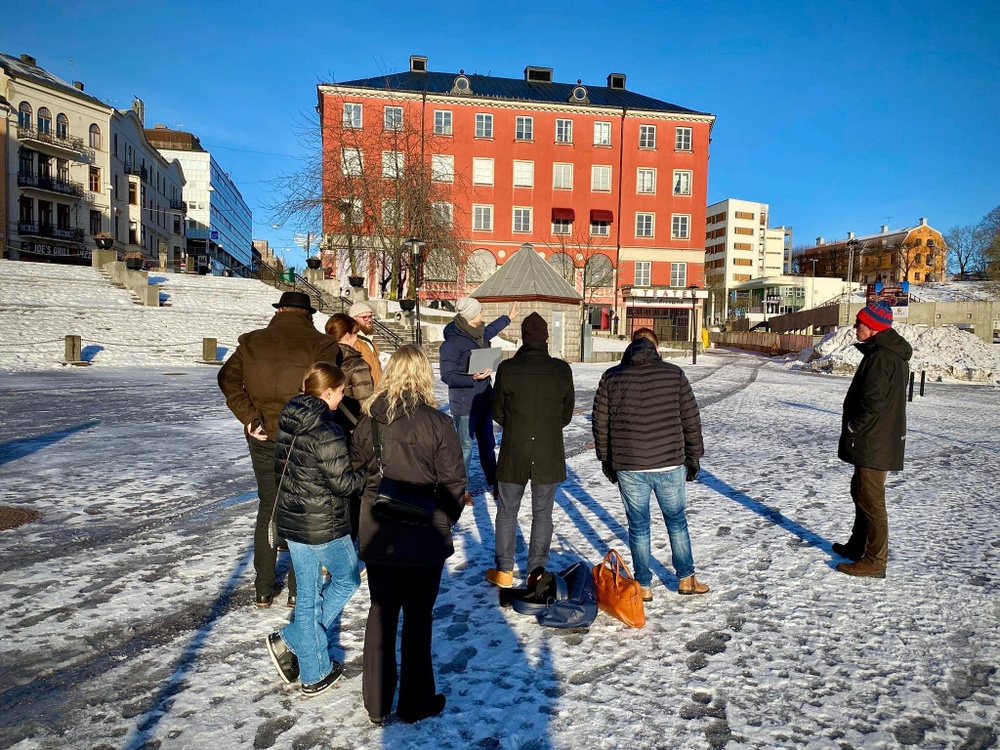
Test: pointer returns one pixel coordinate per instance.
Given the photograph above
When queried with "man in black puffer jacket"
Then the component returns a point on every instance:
(647, 433)
(873, 436)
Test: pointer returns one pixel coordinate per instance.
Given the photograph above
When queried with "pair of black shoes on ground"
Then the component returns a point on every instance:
(287, 665)
(433, 708)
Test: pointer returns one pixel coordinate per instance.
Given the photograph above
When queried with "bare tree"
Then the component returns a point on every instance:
(989, 227)
(966, 244)
(581, 258)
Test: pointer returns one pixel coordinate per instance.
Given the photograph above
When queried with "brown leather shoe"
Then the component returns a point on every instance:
(690, 586)
(468, 499)
(647, 594)
(862, 568)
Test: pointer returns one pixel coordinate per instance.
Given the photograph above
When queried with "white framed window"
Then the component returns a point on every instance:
(392, 164)
(642, 272)
(600, 229)
(644, 224)
(442, 168)
(352, 115)
(564, 131)
(350, 211)
(600, 179)
(391, 213)
(482, 171)
(682, 139)
(682, 182)
(645, 180)
(678, 274)
(562, 176)
(352, 162)
(647, 136)
(602, 133)
(522, 219)
(482, 218)
(524, 128)
(443, 213)
(562, 226)
(524, 173)
(442, 122)
(680, 227)
(393, 118)
(484, 125)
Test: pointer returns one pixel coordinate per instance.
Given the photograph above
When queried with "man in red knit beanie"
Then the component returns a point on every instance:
(873, 436)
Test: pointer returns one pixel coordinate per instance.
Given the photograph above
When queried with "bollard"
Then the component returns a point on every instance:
(210, 350)
(74, 348)
(910, 396)
(923, 376)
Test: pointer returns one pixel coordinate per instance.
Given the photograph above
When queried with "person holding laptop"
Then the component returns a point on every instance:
(470, 392)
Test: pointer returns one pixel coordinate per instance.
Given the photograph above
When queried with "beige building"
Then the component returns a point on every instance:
(147, 189)
(57, 165)
(739, 246)
(916, 254)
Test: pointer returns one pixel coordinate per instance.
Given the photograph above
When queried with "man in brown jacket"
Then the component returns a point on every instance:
(264, 372)
(363, 313)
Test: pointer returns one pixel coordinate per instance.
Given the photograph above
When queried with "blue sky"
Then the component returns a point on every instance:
(839, 115)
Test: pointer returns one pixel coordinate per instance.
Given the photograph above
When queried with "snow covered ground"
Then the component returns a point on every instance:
(129, 623)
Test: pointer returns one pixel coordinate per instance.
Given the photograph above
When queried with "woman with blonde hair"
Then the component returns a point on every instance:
(405, 561)
(315, 485)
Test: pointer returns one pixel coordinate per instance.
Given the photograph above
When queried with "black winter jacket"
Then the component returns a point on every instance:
(873, 429)
(314, 496)
(645, 413)
(533, 402)
(423, 448)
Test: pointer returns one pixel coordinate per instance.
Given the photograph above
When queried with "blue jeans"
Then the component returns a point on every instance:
(480, 426)
(318, 603)
(635, 488)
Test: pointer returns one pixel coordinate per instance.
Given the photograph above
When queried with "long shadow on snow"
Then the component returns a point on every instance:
(16, 449)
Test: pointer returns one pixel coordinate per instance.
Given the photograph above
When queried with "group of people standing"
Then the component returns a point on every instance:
(324, 424)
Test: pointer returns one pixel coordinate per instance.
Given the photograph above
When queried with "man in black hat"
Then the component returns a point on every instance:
(533, 402)
(264, 372)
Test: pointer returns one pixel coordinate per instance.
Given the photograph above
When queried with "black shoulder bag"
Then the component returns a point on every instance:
(398, 500)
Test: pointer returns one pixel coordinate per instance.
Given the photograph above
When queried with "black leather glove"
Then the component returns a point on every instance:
(693, 467)
(609, 472)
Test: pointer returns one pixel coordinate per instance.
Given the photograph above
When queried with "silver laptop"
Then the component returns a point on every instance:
(484, 359)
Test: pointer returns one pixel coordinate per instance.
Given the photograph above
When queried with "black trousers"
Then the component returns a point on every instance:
(264, 555)
(412, 591)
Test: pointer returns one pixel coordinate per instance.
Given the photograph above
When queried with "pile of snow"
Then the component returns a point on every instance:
(943, 353)
(955, 291)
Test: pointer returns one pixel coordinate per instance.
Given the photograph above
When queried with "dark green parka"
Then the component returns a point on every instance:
(873, 431)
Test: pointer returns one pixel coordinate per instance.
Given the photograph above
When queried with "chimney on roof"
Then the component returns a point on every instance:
(819, 240)
(616, 81)
(159, 126)
(923, 221)
(418, 64)
(885, 228)
(78, 85)
(850, 235)
(140, 109)
(29, 60)
(538, 75)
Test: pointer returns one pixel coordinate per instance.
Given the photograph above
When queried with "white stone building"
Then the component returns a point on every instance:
(740, 246)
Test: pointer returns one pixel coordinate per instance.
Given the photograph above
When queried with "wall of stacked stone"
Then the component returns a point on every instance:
(545, 308)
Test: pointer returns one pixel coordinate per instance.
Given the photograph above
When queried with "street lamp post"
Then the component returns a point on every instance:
(416, 266)
(694, 313)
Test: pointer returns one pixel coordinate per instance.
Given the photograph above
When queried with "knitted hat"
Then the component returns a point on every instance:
(534, 328)
(468, 307)
(360, 308)
(877, 316)
(295, 299)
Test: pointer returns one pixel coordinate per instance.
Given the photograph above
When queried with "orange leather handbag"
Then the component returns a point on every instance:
(618, 593)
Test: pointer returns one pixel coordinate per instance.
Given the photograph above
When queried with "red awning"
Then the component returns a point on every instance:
(563, 214)
(601, 214)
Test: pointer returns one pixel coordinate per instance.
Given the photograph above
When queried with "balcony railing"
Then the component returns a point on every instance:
(178, 205)
(68, 142)
(136, 169)
(36, 229)
(51, 184)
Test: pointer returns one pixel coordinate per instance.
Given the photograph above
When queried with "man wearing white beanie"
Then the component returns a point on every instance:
(363, 313)
(471, 395)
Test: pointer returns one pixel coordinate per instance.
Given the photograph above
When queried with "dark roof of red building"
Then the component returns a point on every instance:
(516, 89)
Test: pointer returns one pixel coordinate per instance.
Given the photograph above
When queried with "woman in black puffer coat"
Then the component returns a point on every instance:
(312, 514)
(405, 561)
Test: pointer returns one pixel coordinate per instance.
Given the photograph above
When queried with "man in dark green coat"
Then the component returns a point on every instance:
(533, 402)
(873, 436)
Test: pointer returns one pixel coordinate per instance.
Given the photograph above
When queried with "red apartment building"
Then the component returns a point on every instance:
(608, 185)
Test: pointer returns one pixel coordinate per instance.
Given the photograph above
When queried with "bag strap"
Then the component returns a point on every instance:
(274, 508)
(347, 413)
(377, 444)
